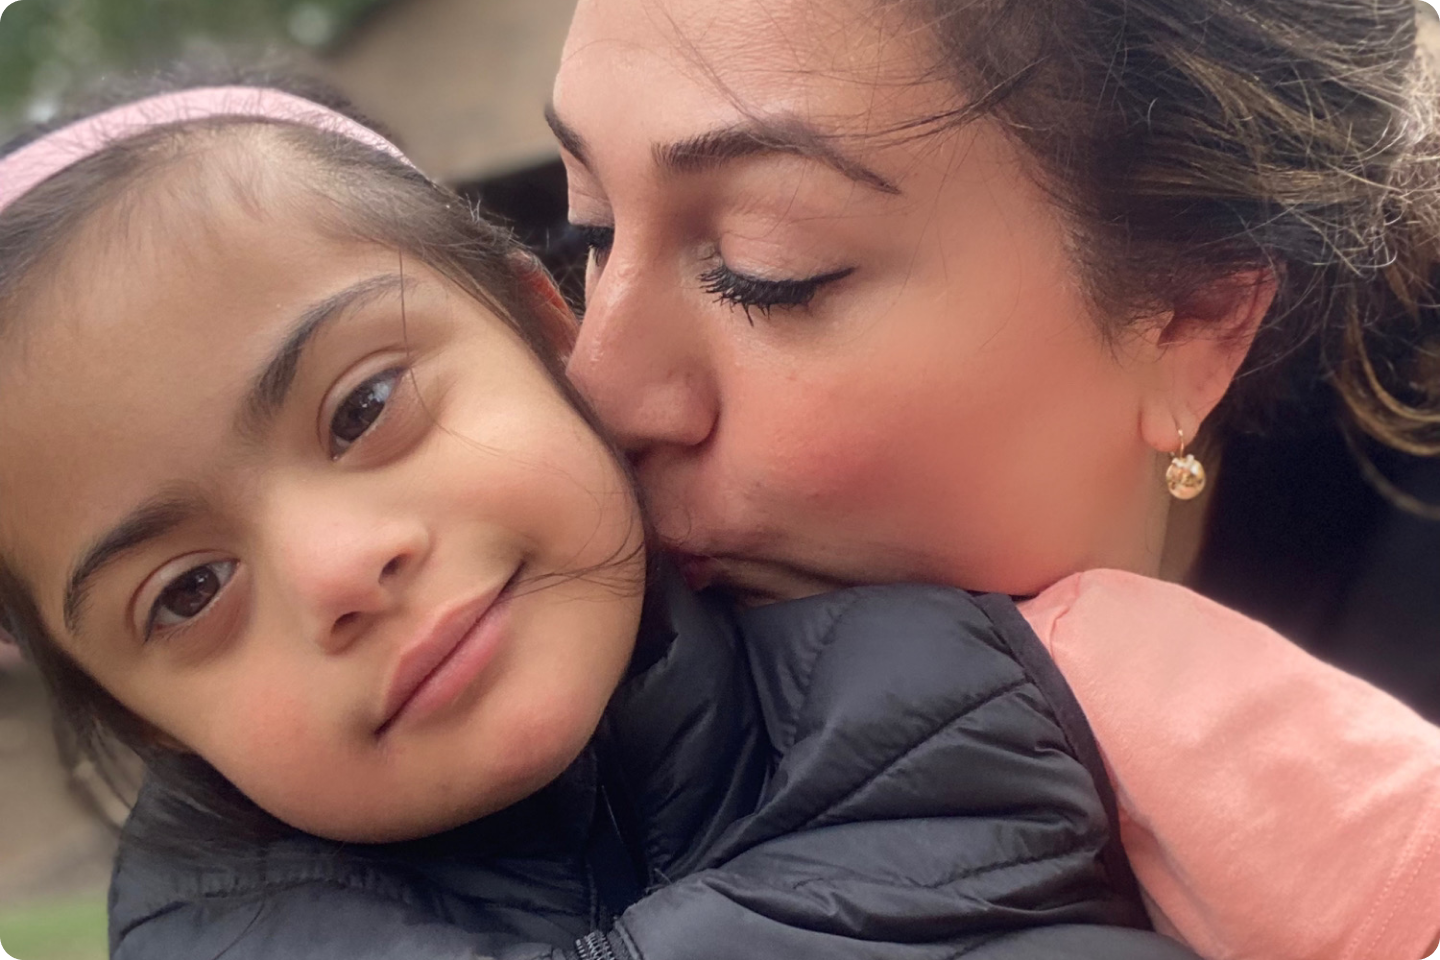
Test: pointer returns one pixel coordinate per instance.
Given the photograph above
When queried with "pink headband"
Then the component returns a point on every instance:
(34, 163)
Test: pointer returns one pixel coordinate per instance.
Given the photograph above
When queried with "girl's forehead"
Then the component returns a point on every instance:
(155, 240)
(124, 369)
(148, 291)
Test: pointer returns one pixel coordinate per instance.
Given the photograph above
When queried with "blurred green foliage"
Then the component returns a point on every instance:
(63, 930)
(49, 48)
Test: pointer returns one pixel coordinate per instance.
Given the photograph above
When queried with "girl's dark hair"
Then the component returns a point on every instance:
(194, 812)
(1193, 141)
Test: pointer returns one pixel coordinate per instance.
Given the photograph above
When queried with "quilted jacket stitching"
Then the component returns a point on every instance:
(827, 636)
(966, 874)
(875, 775)
(985, 942)
(1112, 855)
(259, 893)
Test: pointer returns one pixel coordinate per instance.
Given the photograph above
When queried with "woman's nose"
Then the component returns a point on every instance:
(346, 566)
(642, 362)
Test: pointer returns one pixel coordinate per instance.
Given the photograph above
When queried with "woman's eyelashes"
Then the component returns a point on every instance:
(361, 409)
(597, 239)
(726, 285)
(753, 293)
(188, 595)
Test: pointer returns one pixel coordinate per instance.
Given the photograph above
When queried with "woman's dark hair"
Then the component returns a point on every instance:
(363, 194)
(1191, 142)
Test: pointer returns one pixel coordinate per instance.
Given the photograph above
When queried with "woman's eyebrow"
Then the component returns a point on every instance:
(788, 135)
(569, 140)
(272, 384)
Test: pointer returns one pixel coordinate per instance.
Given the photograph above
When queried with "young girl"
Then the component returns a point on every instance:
(296, 504)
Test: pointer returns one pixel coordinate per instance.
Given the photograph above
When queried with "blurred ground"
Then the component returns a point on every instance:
(54, 851)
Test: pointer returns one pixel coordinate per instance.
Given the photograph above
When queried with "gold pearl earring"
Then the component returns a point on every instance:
(1185, 476)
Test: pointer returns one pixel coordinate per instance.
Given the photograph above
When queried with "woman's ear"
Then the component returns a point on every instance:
(557, 320)
(1198, 348)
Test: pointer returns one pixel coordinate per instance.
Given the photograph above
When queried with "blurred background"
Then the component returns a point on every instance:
(461, 82)
(1293, 534)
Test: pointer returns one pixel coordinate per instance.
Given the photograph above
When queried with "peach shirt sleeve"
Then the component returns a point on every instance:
(1274, 808)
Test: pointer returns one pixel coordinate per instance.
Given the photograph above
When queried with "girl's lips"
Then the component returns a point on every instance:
(445, 659)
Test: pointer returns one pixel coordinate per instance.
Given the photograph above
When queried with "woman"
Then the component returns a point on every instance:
(938, 291)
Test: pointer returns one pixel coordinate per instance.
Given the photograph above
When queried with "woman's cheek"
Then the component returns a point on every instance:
(835, 439)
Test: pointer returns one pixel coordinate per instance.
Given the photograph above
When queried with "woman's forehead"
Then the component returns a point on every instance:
(757, 51)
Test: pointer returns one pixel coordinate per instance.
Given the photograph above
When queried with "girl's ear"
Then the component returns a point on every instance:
(1197, 349)
(557, 320)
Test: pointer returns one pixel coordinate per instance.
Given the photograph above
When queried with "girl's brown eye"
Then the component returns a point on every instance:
(359, 411)
(189, 594)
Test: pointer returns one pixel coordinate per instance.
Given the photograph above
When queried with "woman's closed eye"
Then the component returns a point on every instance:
(188, 595)
(361, 409)
(754, 293)
(597, 239)
(725, 284)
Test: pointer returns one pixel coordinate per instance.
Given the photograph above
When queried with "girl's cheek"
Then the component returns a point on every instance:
(270, 742)
(267, 720)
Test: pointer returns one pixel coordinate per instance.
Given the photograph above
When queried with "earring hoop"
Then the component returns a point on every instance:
(1185, 477)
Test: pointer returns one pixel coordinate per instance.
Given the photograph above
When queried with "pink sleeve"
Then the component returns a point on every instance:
(1273, 807)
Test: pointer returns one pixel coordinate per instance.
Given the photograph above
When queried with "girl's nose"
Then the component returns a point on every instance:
(346, 566)
(642, 362)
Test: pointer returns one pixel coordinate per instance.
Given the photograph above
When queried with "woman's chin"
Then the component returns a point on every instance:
(755, 583)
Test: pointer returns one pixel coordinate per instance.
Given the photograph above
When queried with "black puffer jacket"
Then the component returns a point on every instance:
(887, 773)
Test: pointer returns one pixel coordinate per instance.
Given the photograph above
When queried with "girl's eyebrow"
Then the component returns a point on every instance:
(270, 387)
(151, 519)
